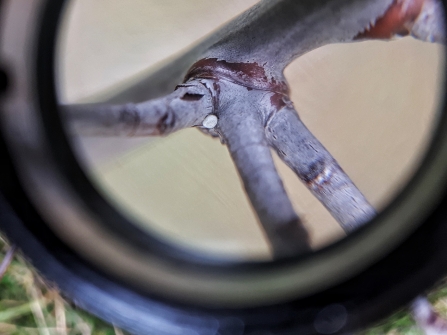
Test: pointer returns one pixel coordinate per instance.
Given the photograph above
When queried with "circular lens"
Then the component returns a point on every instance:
(372, 104)
(183, 214)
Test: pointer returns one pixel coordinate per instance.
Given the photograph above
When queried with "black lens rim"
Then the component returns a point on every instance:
(111, 218)
(372, 294)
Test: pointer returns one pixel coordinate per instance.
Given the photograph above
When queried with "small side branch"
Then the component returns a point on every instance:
(186, 107)
(243, 132)
(319, 171)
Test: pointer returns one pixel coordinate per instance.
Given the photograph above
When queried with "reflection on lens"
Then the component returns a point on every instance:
(372, 104)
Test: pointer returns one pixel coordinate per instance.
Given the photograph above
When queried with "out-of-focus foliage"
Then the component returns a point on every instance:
(30, 306)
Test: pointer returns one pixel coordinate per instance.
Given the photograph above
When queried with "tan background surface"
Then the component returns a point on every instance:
(372, 104)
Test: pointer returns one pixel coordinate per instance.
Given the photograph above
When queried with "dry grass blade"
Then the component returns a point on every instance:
(28, 306)
(61, 322)
(10, 329)
(37, 309)
(16, 312)
(84, 328)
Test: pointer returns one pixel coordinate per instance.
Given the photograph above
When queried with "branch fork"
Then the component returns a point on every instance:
(235, 90)
(256, 114)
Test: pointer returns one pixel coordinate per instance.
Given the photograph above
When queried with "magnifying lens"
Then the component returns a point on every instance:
(236, 167)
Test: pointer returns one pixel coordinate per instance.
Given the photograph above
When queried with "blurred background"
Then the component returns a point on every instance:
(372, 104)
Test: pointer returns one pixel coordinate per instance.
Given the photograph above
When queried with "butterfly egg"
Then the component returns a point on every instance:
(210, 121)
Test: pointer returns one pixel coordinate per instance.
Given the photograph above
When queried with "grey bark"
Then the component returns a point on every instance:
(318, 170)
(241, 127)
(188, 106)
(276, 32)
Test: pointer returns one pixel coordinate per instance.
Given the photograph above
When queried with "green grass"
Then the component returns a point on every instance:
(29, 306)
(398, 324)
(401, 322)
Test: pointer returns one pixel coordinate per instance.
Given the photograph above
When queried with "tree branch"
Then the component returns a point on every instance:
(276, 32)
(186, 107)
(319, 171)
(240, 125)
(273, 33)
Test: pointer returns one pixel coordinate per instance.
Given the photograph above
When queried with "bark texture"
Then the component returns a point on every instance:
(187, 106)
(318, 170)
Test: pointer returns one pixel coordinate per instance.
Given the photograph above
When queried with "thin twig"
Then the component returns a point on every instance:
(186, 107)
(318, 170)
(7, 260)
(8, 315)
(242, 129)
(37, 309)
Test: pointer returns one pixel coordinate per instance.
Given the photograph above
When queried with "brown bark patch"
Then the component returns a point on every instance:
(250, 75)
(317, 175)
(397, 20)
(277, 101)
